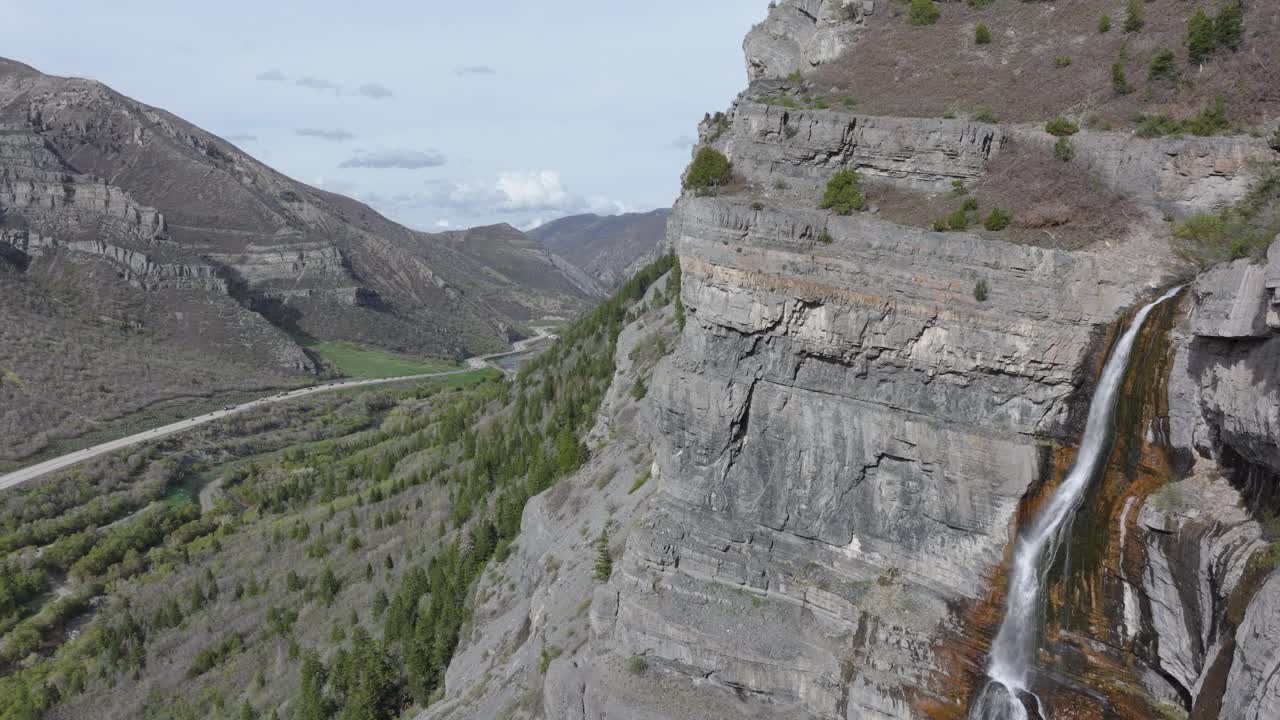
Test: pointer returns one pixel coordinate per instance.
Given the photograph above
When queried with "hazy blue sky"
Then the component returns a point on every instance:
(433, 112)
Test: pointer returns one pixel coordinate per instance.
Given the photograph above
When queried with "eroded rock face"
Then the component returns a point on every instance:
(768, 143)
(1225, 390)
(1197, 541)
(136, 268)
(801, 34)
(1215, 617)
(844, 433)
(1178, 176)
(1253, 687)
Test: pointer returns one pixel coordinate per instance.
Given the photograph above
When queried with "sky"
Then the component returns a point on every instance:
(438, 114)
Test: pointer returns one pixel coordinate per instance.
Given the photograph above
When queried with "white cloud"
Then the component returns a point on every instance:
(443, 224)
(337, 134)
(316, 83)
(395, 158)
(532, 190)
(375, 90)
(472, 70)
(514, 191)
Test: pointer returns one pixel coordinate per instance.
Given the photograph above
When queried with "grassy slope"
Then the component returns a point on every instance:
(360, 362)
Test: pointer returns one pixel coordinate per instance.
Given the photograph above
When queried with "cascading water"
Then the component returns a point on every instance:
(1014, 651)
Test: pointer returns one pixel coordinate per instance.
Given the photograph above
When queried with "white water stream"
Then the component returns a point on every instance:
(1014, 651)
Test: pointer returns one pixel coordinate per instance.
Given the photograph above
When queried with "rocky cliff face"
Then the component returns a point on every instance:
(1224, 409)
(802, 35)
(848, 434)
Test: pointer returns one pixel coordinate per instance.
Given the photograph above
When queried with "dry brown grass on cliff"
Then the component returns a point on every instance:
(1023, 75)
(1054, 204)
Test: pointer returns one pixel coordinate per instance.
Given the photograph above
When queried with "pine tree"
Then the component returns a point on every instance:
(329, 586)
(312, 704)
(604, 562)
(1228, 26)
(1202, 40)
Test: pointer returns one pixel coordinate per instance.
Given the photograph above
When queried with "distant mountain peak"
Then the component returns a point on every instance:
(606, 247)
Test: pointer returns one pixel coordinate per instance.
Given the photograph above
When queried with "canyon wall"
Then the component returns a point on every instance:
(858, 415)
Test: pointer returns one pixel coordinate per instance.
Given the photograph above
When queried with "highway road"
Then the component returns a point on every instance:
(27, 474)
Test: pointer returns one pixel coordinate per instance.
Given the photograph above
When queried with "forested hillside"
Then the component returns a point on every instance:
(314, 560)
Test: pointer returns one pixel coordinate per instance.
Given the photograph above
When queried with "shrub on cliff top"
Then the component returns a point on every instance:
(1208, 121)
(844, 193)
(710, 169)
(1061, 127)
(997, 220)
(1135, 16)
(982, 35)
(957, 221)
(923, 12)
(984, 114)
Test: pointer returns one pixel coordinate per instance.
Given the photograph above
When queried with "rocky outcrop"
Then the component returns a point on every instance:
(768, 143)
(802, 147)
(1225, 389)
(798, 35)
(1197, 543)
(1210, 580)
(1253, 687)
(136, 268)
(1178, 176)
(288, 263)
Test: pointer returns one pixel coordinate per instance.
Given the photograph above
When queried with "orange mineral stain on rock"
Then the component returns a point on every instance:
(1087, 664)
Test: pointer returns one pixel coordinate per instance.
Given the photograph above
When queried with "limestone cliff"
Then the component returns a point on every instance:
(859, 413)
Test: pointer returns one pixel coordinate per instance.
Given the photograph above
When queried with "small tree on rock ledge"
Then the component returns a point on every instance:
(710, 169)
(923, 12)
(604, 562)
(844, 193)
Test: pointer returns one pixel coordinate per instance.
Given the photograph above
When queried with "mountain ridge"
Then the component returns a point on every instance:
(609, 248)
(110, 199)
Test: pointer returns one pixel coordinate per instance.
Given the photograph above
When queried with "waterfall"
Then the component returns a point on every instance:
(1013, 653)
